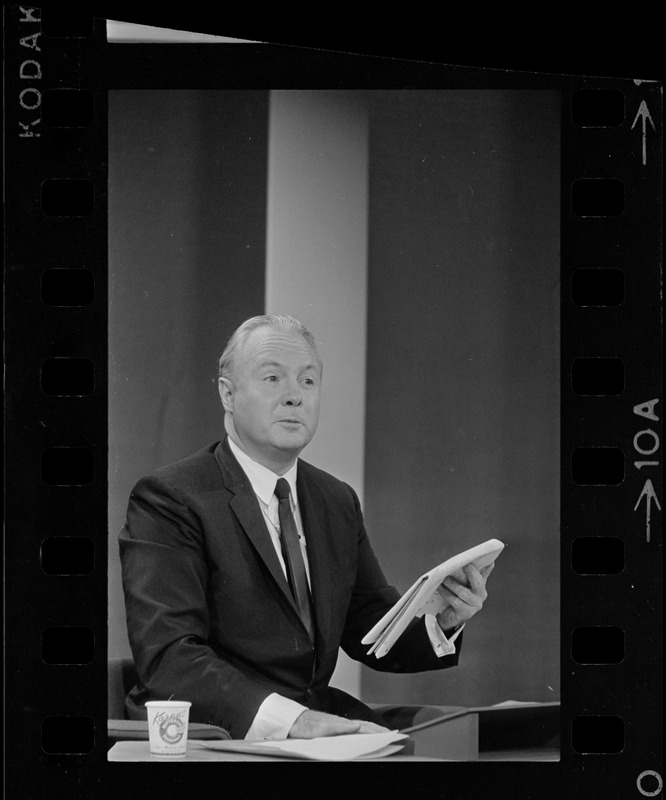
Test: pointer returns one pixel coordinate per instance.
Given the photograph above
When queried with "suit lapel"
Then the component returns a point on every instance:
(245, 506)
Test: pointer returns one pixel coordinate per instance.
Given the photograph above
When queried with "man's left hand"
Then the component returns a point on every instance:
(464, 595)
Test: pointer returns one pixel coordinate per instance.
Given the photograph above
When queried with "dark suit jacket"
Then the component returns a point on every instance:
(209, 612)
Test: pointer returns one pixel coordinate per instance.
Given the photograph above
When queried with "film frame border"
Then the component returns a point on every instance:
(628, 242)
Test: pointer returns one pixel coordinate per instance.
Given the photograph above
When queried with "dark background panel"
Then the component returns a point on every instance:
(463, 392)
(187, 217)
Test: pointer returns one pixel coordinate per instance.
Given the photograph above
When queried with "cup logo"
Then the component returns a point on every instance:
(171, 726)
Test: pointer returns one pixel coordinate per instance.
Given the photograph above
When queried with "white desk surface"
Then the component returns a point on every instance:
(197, 751)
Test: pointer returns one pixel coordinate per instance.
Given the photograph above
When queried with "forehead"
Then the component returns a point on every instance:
(276, 345)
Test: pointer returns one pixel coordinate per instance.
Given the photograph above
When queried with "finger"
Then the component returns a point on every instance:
(468, 595)
(311, 724)
(452, 590)
(487, 570)
(477, 582)
(442, 591)
(460, 597)
(474, 579)
(460, 604)
(371, 727)
(453, 581)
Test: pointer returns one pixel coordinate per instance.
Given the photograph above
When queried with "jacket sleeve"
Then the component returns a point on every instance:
(372, 597)
(165, 578)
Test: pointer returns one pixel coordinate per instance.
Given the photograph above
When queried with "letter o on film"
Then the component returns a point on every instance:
(37, 99)
(646, 432)
(649, 773)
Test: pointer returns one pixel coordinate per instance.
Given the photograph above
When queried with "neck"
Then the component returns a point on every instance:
(279, 464)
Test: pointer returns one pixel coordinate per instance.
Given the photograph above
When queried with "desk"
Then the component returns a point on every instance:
(197, 751)
(513, 732)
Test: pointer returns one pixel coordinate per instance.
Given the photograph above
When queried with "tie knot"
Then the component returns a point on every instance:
(282, 490)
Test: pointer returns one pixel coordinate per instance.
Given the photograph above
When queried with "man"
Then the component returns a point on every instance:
(245, 568)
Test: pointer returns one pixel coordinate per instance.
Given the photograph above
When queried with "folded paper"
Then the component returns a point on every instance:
(422, 597)
(346, 747)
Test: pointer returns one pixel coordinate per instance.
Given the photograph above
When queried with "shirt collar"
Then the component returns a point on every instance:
(262, 479)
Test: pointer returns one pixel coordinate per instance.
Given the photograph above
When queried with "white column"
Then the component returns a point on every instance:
(317, 265)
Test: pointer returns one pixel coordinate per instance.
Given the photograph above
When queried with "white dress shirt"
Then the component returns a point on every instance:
(277, 714)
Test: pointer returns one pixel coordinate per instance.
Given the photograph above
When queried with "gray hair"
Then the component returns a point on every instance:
(227, 364)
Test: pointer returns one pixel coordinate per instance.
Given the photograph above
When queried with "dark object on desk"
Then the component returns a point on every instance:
(519, 727)
(520, 731)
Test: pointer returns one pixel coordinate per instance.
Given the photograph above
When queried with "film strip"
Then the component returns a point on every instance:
(59, 69)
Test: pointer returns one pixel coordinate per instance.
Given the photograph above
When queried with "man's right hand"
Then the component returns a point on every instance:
(311, 724)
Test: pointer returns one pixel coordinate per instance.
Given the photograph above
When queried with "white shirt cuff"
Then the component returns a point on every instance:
(440, 644)
(275, 717)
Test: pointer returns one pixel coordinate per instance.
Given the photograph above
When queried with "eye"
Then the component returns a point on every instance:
(271, 378)
(309, 381)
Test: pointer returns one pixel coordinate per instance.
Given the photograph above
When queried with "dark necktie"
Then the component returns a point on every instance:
(293, 558)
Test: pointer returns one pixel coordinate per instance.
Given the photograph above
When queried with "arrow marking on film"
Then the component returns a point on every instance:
(644, 114)
(649, 493)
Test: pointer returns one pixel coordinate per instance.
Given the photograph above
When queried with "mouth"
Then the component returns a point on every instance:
(290, 421)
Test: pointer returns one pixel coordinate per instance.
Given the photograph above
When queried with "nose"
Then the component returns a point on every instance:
(292, 394)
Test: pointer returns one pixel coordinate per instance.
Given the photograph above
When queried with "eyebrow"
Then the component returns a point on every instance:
(264, 364)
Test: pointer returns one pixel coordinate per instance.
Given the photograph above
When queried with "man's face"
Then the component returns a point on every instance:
(273, 399)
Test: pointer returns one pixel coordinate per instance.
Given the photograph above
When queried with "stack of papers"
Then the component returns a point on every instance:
(329, 748)
(421, 599)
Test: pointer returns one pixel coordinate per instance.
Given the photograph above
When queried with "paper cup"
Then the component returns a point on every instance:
(167, 727)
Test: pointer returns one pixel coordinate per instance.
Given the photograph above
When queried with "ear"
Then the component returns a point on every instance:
(226, 389)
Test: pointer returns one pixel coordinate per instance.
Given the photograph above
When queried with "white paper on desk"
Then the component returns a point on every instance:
(419, 598)
(520, 703)
(325, 748)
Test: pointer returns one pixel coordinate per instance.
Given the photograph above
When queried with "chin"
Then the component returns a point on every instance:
(295, 442)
